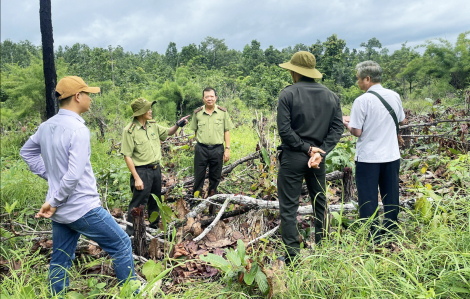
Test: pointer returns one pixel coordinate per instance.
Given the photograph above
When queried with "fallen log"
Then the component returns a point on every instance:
(335, 175)
(209, 228)
(303, 210)
(434, 123)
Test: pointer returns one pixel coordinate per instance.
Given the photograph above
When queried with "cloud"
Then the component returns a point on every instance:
(150, 24)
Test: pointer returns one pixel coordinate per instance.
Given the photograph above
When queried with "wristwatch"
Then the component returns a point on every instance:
(227, 147)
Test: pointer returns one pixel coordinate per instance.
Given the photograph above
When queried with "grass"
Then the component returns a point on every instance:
(428, 257)
(426, 261)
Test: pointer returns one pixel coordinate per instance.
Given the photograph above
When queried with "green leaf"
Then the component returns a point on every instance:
(262, 281)
(151, 269)
(91, 282)
(166, 210)
(241, 250)
(233, 257)
(153, 217)
(264, 154)
(100, 285)
(460, 290)
(5, 296)
(216, 261)
(250, 277)
(75, 295)
(27, 292)
(453, 151)
(424, 207)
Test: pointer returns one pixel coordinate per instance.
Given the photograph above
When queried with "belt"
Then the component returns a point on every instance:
(209, 146)
(152, 166)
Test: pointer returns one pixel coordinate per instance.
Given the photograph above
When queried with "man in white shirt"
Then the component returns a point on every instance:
(377, 153)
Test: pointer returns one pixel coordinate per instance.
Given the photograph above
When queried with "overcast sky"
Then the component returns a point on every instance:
(153, 24)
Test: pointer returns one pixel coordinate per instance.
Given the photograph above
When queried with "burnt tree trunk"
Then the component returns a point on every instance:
(50, 76)
(140, 240)
(348, 185)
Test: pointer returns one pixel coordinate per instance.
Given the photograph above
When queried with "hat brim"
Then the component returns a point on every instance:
(311, 73)
(92, 89)
(144, 109)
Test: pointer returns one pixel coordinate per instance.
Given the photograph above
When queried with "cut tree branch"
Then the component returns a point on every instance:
(434, 123)
(303, 210)
(209, 228)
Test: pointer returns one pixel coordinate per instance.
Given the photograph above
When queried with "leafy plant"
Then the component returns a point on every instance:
(166, 213)
(341, 156)
(239, 267)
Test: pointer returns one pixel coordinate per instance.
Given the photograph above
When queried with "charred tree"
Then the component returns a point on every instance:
(348, 185)
(50, 76)
(140, 240)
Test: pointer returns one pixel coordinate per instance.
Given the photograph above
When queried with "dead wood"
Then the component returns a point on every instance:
(438, 121)
(434, 123)
(266, 235)
(208, 229)
(348, 185)
(226, 215)
(140, 240)
(303, 210)
(335, 175)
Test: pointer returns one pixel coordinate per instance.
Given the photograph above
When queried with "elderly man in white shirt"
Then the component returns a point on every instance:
(377, 152)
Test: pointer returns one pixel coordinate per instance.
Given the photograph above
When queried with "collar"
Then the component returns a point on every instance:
(216, 109)
(375, 87)
(67, 112)
(306, 79)
(139, 125)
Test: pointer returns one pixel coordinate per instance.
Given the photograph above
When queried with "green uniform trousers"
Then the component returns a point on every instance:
(293, 169)
(152, 179)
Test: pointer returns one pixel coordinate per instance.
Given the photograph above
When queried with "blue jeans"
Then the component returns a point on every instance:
(99, 226)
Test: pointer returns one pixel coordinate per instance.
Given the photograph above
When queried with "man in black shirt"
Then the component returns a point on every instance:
(309, 120)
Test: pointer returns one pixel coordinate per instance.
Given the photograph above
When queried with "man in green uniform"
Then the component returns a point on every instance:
(142, 152)
(309, 120)
(212, 125)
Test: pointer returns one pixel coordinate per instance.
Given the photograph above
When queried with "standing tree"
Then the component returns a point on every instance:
(50, 76)
(370, 45)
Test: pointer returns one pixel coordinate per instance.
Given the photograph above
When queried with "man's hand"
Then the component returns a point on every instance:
(183, 121)
(139, 185)
(46, 211)
(346, 119)
(226, 155)
(314, 161)
(314, 150)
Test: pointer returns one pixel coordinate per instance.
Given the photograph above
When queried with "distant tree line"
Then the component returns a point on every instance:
(175, 78)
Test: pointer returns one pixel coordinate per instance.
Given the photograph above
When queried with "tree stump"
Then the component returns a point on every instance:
(140, 240)
(348, 185)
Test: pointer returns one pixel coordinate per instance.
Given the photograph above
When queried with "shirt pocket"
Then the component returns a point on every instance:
(201, 126)
(219, 123)
(140, 143)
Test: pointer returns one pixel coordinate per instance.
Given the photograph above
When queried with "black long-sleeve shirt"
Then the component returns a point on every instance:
(309, 114)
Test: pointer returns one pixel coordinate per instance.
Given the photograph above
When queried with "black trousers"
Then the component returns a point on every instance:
(293, 169)
(204, 156)
(152, 179)
(385, 176)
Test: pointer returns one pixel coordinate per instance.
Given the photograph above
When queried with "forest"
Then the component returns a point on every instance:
(234, 254)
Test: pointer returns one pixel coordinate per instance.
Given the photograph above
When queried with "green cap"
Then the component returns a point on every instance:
(304, 63)
(141, 106)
